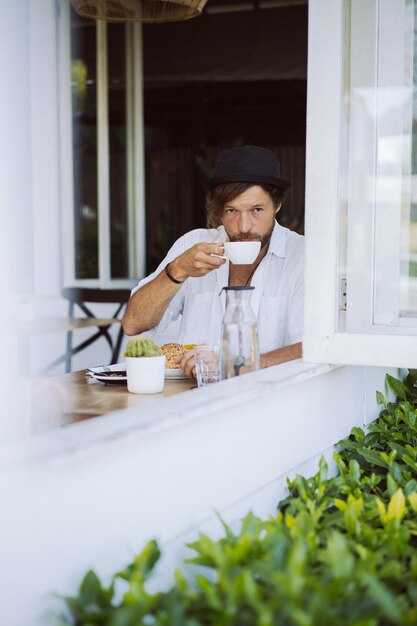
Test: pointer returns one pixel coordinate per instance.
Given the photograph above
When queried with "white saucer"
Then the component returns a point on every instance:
(174, 374)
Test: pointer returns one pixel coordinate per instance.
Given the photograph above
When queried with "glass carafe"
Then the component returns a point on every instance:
(240, 346)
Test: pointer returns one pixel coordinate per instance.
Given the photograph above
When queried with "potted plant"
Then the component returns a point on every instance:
(145, 366)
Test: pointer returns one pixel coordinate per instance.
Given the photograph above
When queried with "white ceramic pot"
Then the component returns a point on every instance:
(145, 374)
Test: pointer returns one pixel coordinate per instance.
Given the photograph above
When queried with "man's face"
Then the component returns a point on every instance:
(250, 216)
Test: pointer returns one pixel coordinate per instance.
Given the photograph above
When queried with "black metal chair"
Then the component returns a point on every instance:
(78, 297)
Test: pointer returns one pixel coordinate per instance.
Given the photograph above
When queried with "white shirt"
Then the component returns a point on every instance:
(277, 300)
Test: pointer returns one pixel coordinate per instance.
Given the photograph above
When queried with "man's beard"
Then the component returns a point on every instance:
(251, 237)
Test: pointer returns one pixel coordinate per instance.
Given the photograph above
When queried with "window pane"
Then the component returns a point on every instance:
(116, 36)
(378, 238)
(409, 212)
(84, 119)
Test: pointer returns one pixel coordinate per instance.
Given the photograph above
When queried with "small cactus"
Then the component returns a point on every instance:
(142, 346)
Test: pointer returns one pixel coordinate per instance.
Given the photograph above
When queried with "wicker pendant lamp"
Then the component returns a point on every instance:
(139, 10)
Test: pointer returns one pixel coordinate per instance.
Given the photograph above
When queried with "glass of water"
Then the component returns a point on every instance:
(207, 364)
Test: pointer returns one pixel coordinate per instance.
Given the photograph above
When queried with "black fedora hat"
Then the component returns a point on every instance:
(247, 164)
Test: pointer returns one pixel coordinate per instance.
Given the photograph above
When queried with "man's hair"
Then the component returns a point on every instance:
(219, 196)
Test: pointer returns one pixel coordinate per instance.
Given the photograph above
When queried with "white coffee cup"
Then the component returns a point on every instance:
(241, 252)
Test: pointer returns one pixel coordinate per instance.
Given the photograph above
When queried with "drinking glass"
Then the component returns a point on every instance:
(207, 364)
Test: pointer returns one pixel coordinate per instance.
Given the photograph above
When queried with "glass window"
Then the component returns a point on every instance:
(408, 267)
(84, 124)
(361, 295)
(117, 150)
(106, 155)
(376, 169)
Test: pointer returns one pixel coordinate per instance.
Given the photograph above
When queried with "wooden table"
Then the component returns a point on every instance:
(86, 399)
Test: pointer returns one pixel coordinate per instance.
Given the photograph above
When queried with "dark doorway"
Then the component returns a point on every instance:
(226, 78)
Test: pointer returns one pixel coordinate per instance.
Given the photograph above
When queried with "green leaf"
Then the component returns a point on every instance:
(411, 378)
(249, 587)
(252, 524)
(90, 587)
(396, 472)
(396, 506)
(181, 581)
(411, 451)
(229, 533)
(339, 556)
(340, 504)
(392, 485)
(410, 487)
(401, 450)
(323, 469)
(126, 616)
(412, 498)
(355, 472)
(381, 510)
(397, 386)
(384, 599)
(210, 591)
(358, 433)
(381, 399)
(372, 457)
(210, 553)
(143, 563)
(92, 595)
(410, 462)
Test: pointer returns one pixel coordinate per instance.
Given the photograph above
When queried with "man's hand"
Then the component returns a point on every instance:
(187, 363)
(197, 261)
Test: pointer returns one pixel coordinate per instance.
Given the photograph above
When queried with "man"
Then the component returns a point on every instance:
(244, 196)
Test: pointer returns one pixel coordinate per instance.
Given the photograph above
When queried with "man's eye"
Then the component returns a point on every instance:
(230, 211)
(257, 209)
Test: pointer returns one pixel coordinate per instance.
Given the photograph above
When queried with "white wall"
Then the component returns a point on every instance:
(16, 267)
(90, 495)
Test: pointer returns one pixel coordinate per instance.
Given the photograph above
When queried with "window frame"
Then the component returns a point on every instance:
(323, 341)
(135, 176)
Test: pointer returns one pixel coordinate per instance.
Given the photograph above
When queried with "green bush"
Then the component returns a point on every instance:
(340, 551)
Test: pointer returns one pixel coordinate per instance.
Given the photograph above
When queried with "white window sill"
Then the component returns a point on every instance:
(164, 413)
